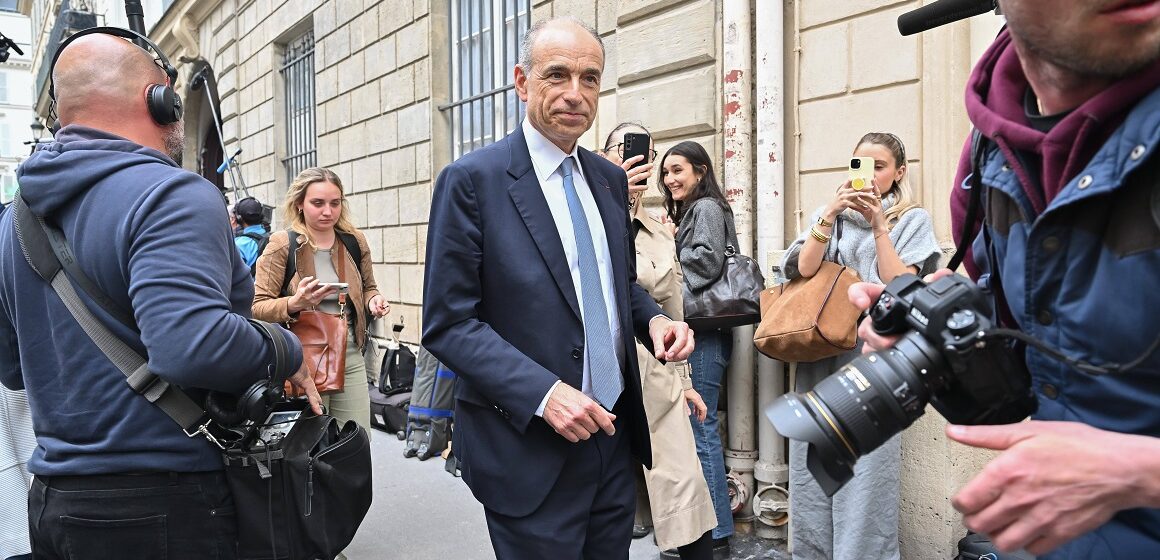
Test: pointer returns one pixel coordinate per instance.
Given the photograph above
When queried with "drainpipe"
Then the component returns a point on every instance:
(738, 179)
(771, 499)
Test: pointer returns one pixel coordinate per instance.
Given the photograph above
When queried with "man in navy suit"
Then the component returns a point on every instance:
(531, 297)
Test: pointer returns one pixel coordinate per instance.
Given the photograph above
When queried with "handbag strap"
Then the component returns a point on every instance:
(35, 235)
(730, 231)
(837, 238)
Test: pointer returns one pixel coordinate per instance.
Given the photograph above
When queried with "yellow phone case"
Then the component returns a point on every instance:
(861, 172)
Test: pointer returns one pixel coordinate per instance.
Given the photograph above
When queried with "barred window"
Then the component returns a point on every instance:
(485, 44)
(298, 79)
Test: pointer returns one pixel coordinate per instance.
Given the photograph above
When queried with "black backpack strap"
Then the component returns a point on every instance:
(978, 152)
(258, 237)
(291, 260)
(351, 243)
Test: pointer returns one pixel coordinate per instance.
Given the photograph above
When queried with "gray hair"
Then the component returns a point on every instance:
(534, 32)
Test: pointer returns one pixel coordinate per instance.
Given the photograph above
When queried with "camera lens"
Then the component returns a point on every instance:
(855, 163)
(855, 410)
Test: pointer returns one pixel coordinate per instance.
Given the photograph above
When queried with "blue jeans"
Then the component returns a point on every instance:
(709, 360)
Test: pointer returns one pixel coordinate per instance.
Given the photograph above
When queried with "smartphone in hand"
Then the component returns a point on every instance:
(861, 173)
(637, 144)
(341, 287)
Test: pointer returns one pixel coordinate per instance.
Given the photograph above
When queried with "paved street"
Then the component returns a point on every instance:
(420, 512)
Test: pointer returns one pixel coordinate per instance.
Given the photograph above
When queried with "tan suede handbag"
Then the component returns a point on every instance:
(808, 319)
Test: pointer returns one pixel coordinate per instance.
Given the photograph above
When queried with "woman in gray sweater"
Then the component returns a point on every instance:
(880, 233)
(694, 200)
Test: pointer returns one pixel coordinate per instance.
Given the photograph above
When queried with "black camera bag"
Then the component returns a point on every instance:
(304, 497)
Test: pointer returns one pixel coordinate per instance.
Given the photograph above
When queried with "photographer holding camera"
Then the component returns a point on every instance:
(114, 476)
(1067, 101)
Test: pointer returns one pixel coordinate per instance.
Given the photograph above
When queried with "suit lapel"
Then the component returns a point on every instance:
(528, 197)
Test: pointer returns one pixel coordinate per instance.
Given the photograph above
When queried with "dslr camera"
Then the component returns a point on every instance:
(945, 356)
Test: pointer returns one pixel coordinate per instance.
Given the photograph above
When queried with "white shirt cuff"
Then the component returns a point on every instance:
(544, 402)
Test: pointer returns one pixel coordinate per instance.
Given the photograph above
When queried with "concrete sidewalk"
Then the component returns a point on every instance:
(420, 512)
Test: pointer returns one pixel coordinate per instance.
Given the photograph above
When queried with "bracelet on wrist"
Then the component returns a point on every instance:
(822, 222)
(819, 236)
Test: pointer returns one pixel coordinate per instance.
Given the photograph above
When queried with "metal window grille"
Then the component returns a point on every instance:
(298, 79)
(485, 44)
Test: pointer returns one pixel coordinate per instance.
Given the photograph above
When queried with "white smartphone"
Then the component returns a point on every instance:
(340, 286)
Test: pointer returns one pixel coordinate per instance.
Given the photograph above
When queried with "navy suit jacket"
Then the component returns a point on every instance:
(500, 310)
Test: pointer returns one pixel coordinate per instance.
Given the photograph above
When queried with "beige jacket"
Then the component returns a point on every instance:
(270, 305)
(678, 496)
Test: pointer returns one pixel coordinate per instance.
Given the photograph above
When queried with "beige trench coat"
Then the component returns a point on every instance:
(682, 510)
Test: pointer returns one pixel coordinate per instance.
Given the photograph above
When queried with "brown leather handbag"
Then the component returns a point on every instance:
(808, 319)
(323, 336)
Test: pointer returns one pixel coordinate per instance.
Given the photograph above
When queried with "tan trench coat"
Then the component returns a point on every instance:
(682, 510)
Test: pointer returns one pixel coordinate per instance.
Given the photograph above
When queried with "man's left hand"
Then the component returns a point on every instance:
(672, 340)
(1054, 481)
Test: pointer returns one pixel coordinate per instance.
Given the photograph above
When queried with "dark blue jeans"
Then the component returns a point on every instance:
(709, 360)
(161, 516)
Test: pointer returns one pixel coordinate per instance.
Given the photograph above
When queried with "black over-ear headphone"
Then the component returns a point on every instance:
(256, 402)
(163, 102)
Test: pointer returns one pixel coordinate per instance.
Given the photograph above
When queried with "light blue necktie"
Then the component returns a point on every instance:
(607, 382)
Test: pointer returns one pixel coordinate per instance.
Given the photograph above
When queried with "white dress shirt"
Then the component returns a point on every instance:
(546, 160)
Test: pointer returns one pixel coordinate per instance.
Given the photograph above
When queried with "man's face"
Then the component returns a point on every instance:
(563, 86)
(1106, 38)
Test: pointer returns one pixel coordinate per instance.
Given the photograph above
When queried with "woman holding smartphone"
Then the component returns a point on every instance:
(677, 497)
(694, 201)
(316, 211)
(879, 232)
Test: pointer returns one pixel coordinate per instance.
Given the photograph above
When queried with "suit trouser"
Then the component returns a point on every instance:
(131, 517)
(587, 514)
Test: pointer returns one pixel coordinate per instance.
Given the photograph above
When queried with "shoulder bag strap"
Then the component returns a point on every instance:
(730, 231)
(34, 237)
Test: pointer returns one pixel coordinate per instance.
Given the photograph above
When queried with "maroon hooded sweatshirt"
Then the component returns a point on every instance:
(994, 99)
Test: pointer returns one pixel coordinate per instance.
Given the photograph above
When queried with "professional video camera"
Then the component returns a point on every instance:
(949, 356)
(5, 45)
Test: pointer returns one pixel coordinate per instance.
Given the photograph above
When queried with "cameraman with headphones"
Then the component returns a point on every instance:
(115, 477)
(1067, 104)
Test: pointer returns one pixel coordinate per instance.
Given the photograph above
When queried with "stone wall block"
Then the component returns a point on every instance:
(667, 42)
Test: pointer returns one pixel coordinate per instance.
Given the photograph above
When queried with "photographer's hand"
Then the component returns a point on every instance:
(1054, 481)
(303, 381)
(863, 295)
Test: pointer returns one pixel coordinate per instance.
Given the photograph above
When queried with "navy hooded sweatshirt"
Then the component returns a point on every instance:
(156, 239)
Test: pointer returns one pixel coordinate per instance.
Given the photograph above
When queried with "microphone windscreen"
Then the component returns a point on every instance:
(941, 12)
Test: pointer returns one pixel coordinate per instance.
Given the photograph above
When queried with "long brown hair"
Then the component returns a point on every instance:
(904, 198)
(297, 195)
(708, 186)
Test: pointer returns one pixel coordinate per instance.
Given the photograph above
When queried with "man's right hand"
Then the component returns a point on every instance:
(302, 380)
(575, 415)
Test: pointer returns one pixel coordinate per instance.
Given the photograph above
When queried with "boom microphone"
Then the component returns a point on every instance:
(942, 12)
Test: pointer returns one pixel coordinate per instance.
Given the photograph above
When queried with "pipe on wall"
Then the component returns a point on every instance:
(771, 471)
(738, 181)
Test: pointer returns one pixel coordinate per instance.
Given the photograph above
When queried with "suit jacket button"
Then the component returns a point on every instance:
(576, 354)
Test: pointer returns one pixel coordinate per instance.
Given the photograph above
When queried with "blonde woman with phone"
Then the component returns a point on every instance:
(317, 213)
(873, 226)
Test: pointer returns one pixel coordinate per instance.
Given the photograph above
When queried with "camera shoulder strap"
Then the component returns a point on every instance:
(978, 152)
(36, 237)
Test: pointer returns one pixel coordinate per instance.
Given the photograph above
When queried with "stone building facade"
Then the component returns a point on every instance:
(382, 80)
